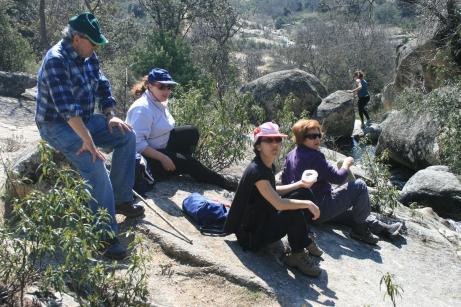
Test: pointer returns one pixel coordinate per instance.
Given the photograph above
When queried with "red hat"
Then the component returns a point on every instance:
(268, 129)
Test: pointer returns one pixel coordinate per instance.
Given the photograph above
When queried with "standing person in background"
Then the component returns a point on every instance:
(259, 215)
(70, 84)
(168, 149)
(361, 90)
(349, 203)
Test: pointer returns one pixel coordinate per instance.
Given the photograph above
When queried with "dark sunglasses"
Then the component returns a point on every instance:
(272, 140)
(163, 87)
(313, 136)
(84, 37)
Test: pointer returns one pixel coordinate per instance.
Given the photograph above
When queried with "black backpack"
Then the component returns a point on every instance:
(143, 178)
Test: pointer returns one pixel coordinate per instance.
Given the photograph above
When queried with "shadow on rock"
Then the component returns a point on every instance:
(337, 245)
(290, 287)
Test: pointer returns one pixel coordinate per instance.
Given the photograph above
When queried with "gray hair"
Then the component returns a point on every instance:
(68, 33)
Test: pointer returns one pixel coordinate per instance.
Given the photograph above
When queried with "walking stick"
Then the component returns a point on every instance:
(161, 216)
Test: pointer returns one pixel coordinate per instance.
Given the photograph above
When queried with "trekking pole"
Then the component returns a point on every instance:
(161, 216)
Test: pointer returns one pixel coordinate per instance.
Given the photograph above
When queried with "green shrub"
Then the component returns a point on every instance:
(15, 51)
(166, 51)
(52, 240)
(223, 124)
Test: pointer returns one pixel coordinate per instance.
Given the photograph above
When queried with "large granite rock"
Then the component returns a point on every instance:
(435, 187)
(306, 87)
(336, 114)
(410, 139)
(14, 84)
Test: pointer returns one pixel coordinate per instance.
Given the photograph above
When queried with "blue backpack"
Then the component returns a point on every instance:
(207, 215)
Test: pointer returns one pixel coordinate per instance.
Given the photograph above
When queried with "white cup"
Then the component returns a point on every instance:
(309, 175)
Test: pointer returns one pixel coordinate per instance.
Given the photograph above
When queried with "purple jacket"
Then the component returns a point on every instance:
(302, 158)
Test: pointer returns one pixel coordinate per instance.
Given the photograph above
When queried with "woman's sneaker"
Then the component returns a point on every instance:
(303, 262)
(362, 233)
(314, 249)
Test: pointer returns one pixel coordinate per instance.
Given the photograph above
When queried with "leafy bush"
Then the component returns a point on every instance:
(385, 197)
(166, 51)
(223, 123)
(51, 241)
(445, 105)
(14, 49)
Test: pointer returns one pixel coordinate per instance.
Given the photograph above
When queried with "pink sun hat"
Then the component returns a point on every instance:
(267, 129)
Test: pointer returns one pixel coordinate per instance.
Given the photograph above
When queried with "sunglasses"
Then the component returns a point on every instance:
(277, 140)
(163, 87)
(313, 136)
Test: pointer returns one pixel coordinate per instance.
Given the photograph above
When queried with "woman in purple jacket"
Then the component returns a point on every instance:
(349, 203)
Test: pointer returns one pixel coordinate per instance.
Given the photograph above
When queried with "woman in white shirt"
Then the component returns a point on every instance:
(168, 149)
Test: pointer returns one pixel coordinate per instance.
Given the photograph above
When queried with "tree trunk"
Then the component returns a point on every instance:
(43, 32)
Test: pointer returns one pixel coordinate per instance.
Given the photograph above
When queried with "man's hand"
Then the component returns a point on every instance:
(89, 146)
(117, 122)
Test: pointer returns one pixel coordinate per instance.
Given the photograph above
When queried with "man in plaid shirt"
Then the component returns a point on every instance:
(70, 84)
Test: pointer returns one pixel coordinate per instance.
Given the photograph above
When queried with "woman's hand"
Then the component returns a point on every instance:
(347, 163)
(306, 183)
(314, 210)
(167, 163)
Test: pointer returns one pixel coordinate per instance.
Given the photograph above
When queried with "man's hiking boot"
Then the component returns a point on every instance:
(391, 230)
(115, 250)
(362, 233)
(314, 249)
(303, 262)
(129, 209)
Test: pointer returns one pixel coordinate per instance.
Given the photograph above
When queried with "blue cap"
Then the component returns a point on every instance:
(160, 75)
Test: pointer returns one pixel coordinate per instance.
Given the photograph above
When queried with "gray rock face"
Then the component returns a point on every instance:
(336, 114)
(411, 65)
(411, 140)
(435, 187)
(14, 84)
(306, 87)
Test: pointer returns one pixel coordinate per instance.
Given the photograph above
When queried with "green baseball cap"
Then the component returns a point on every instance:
(87, 24)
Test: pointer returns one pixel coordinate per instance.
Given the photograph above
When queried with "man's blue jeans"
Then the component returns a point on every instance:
(107, 191)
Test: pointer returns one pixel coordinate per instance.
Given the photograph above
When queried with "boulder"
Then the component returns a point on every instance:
(410, 139)
(388, 95)
(307, 89)
(14, 84)
(412, 65)
(336, 114)
(435, 187)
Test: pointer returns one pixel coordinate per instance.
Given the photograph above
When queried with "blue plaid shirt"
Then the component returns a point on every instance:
(70, 86)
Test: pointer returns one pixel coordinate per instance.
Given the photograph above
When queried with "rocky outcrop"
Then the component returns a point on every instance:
(435, 187)
(336, 114)
(306, 88)
(14, 84)
(410, 139)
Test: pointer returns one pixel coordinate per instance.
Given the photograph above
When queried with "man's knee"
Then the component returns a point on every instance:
(360, 185)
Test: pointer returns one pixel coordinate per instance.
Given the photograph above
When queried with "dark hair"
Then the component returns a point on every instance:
(359, 74)
(257, 153)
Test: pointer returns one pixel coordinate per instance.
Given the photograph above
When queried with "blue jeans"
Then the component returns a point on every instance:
(106, 191)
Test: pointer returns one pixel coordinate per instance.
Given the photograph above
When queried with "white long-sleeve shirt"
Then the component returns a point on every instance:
(151, 122)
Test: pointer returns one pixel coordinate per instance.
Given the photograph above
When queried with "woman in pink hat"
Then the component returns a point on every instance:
(260, 214)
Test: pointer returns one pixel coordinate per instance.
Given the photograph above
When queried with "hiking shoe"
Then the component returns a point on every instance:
(314, 249)
(303, 262)
(129, 209)
(392, 230)
(115, 250)
(361, 232)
